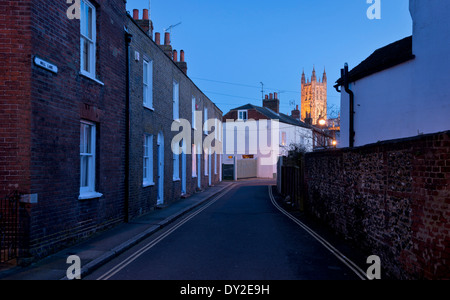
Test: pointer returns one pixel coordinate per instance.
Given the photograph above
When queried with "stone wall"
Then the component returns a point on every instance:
(391, 199)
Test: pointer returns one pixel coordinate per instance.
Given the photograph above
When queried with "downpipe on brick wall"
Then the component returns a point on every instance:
(128, 38)
(344, 76)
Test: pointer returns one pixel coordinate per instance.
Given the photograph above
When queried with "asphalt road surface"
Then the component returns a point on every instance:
(238, 236)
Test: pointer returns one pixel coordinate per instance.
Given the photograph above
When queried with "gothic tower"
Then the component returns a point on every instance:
(314, 97)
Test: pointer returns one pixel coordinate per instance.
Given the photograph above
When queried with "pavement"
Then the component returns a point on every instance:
(102, 247)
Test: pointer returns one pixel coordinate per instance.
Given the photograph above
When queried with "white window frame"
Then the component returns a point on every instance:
(147, 178)
(176, 167)
(241, 113)
(283, 141)
(205, 151)
(194, 161)
(205, 121)
(176, 100)
(194, 109)
(90, 40)
(88, 191)
(215, 163)
(147, 86)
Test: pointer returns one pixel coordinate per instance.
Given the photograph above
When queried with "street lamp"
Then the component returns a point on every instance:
(322, 121)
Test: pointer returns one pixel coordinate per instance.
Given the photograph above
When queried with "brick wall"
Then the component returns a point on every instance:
(15, 105)
(391, 199)
(159, 120)
(57, 104)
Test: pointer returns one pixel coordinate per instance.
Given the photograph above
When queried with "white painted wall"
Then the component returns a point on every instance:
(411, 98)
(294, 135)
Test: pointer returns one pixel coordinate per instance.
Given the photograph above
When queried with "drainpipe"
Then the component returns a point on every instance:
(128, 38)
(352, 103)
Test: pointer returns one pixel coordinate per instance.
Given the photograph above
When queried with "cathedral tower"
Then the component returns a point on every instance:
(314, 97)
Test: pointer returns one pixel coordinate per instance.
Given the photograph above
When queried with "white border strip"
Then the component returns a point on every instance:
(360, 273)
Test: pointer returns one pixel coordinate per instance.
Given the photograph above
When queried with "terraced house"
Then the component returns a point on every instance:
(87, 103)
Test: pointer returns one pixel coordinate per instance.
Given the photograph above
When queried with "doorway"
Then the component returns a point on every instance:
(160, 198)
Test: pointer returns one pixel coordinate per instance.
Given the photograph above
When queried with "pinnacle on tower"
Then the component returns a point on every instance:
(324, 78)
(313, 77)
(303, 77)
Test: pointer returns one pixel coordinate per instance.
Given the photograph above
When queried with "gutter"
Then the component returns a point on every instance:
(128, 38)
(345, 77)
(352, 107)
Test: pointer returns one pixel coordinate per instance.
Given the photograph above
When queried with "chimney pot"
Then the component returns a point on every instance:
(267, 97)
(136, 14)
(145, 17)
(167, 38)
(270, 96)
(296, 107)
(275, 95)
(175, 56)
(182, 55)
(158, 38)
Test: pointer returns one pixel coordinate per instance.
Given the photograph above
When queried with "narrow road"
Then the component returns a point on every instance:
(239, 236)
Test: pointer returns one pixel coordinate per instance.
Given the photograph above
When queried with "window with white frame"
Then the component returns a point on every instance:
(87, 160)
(176, 100)
(205, 121)
(194, 161)
(176, 167)
(148, 83)
(88, 38)
(283, 138)
(205, 151)
(194, 108)
(242, 115)
(215, 162)
(148, 160)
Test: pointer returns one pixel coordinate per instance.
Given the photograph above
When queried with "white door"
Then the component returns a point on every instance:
(209, 167)
(160, 198)
(183, 169)
(199, 167)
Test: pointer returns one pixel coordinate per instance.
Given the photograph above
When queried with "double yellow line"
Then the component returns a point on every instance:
(357, 270)
(154, 242)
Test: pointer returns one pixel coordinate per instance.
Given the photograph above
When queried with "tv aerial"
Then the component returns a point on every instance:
(169, 29)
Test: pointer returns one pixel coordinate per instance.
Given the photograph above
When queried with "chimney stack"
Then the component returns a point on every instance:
(296, 113)
(158, 38)
(167, 48)
(272, 103)
(175, 55)
(145, 23)
(167, 39)
(136, 14)
(182, 64)
(145, 17)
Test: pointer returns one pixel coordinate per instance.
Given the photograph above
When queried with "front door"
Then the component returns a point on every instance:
(160, 198)
(183, 169)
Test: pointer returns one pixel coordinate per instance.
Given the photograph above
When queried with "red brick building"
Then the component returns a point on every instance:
(62, 118)
(86, 108)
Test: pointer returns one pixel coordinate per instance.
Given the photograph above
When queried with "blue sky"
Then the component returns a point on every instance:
(231, 46)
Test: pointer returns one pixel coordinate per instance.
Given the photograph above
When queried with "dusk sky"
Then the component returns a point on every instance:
(231, 46)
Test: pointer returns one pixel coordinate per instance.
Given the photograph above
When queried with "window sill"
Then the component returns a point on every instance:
(89, 76)
(194, 176)
(149, 108)
(89, 195)
(176, 179)
(147, 184)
